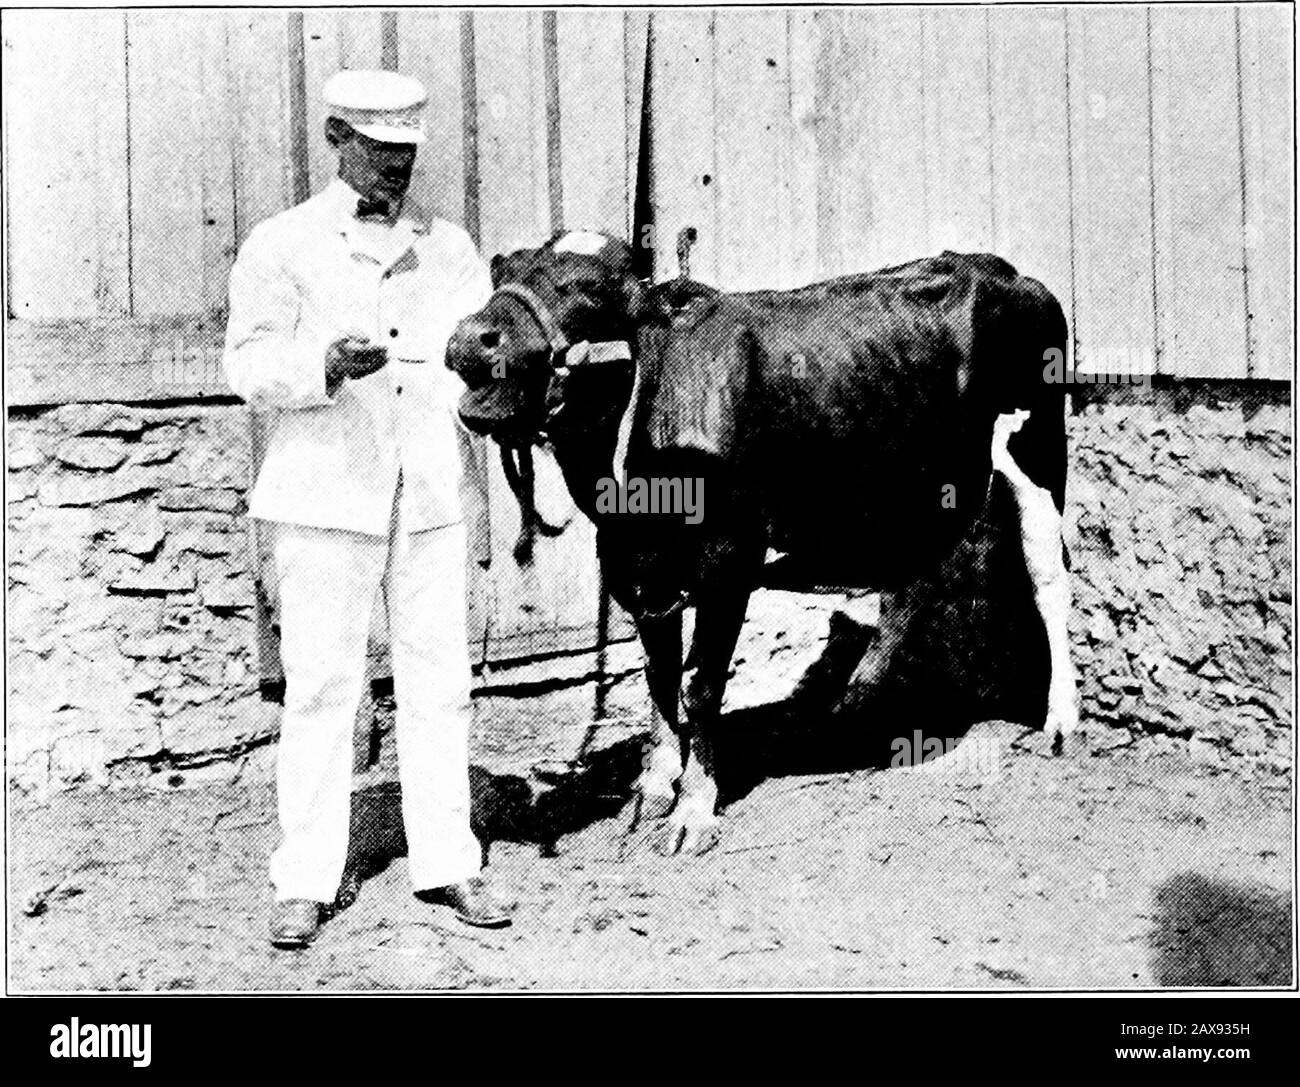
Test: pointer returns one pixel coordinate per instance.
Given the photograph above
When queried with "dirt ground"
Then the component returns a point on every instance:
(1130, 864)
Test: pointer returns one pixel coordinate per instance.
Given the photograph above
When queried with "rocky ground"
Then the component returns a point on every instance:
(1157, 854)
(1124, 864)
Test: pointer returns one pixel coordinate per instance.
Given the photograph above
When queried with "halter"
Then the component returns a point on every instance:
(564, 353)
(540, 312)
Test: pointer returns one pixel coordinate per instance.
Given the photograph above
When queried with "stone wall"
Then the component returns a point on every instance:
(130, 610)
(1178, 529)
(130, 595)
(1181, 540)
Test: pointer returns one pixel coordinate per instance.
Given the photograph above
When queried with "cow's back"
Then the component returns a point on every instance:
(857, 411)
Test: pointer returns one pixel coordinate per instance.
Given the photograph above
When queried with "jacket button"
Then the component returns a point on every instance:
(399, 390)
(393, 333)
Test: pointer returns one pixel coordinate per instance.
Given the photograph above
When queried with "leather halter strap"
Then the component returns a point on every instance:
(540, 312)
(563, 352)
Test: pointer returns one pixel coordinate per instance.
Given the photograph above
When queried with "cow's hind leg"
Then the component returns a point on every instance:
(661, 765)
(1040, 535)
(719, 615)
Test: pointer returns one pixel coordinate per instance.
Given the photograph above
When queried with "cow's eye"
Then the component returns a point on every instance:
(579, 286)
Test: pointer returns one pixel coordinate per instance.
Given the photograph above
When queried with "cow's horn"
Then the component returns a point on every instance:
(686, 237)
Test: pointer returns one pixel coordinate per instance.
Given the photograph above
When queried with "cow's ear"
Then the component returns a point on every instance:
(497, 267)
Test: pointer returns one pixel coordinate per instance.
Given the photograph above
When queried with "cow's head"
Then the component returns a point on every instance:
(570, 305)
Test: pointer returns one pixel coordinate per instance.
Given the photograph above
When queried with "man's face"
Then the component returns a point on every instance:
(375, 169)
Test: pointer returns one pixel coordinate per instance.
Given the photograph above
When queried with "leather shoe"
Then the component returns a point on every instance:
(295, 923)
(471, 902)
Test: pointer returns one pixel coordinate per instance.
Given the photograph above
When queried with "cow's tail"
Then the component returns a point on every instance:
(1041, 373)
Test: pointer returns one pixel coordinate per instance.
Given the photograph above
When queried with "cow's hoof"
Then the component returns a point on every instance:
(1069, 741)
(690, 834)
(1063, 739)
(1061, 726)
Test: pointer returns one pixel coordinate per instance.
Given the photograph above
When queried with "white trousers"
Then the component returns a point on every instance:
(327, 584)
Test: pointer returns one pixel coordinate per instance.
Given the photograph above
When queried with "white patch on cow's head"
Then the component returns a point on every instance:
(586, 242)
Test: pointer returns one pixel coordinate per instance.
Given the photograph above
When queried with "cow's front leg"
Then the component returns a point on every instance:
(1040, 535)
(897, 610)
(693, 826)
(661, 764)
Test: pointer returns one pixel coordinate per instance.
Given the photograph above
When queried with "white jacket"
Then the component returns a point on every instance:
(315, 273)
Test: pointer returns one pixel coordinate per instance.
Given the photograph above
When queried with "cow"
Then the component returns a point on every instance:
(827, 430)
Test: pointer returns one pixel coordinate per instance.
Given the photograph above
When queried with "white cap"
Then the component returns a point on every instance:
(382, 105)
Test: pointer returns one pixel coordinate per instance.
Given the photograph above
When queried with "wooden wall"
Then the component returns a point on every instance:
(1138, 161)
(141, 148)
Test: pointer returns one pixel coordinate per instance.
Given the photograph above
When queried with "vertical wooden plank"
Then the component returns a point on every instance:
(469, 127)
(389, 41)
(551, 96)
(320, 42)
(514, 193)
(333, 39)
(1200, 281)
(1031, 185)
(898, 196)
(66, 168)
(593, 121)
(870, 96)
(361, 38)
(801, 46)
(1267, 101)
(1114, 313)
(428, 48)
(754, 245)
(549, 605)
(259, 100)
(182, 182)
(636, 25)
(958, 129)
(299, 137)
(686, 163)
(840, 95)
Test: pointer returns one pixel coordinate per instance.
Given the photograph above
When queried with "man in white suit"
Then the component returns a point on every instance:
(340, 310)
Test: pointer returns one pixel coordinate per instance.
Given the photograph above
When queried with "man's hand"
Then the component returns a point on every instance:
(352, 357)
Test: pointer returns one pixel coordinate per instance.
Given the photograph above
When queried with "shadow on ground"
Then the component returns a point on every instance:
(815, 730)
(831, 725)
(1215, 932)
(505, 807)
(827, 725)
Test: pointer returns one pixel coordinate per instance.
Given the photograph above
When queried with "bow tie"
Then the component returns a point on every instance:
(369, 209)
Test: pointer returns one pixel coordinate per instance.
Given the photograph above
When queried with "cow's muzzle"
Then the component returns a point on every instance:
(473, 351)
